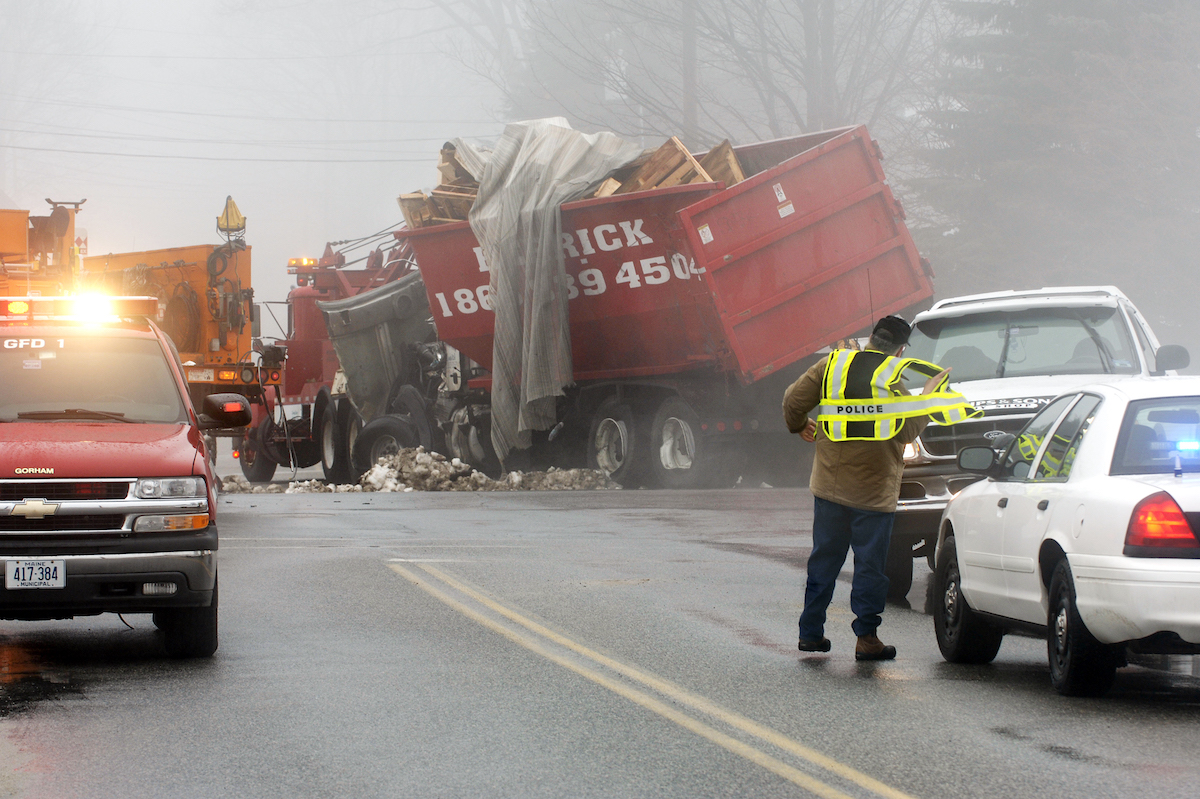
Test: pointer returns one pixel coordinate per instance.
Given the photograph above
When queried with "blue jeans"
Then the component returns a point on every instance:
(837, 528)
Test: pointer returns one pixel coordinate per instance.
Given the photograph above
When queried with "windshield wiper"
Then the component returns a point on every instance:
(1004, 350)
(1105, 357)
(76, 413)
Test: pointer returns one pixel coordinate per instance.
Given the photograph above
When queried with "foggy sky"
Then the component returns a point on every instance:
(314, 116)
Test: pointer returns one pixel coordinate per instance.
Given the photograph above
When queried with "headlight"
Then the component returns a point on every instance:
(911, 452)
(170, 487)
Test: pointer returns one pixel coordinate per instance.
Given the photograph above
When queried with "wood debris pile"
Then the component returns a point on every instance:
(669, 165)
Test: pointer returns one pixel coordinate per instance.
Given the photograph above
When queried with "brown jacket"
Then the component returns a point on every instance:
(859, 474)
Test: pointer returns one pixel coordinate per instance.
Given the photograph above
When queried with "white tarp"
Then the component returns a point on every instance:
(534, 168)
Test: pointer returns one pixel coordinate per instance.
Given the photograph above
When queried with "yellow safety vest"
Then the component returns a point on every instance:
(862, 398)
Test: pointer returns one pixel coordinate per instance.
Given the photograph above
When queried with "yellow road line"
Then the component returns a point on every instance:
(672, 691)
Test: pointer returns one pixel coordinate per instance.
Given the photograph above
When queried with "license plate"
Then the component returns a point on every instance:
(35, 574)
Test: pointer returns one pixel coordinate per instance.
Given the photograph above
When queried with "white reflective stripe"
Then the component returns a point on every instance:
(896, 407)
(840, 360)
(887, 427)
(888, 371)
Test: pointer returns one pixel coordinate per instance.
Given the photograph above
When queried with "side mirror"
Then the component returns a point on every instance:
(979, 460)
(222, 411)
(1171, 356)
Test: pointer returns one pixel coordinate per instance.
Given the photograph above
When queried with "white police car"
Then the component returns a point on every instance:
(1085, 532)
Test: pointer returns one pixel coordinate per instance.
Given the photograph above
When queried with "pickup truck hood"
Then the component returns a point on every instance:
(96, 450)
(1022, 392)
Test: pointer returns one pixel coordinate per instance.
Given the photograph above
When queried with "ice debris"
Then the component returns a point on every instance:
(418, 470)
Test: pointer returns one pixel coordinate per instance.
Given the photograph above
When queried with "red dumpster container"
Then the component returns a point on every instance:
(811, 248)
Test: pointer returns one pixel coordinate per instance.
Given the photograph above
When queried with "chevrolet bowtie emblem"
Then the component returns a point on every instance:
(35, 509)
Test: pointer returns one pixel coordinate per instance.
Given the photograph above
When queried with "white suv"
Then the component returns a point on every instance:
(1011, 353)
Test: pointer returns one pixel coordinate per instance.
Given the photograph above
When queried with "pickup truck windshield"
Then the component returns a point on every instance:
(87, 378)
(1045, 341)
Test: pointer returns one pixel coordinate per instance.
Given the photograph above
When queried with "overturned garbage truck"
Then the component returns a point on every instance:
(648, 329)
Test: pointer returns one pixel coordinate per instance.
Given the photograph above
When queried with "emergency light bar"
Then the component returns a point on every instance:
(294, 264)
(86, 308)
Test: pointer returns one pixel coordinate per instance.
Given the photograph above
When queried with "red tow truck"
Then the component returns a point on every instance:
(107, 498)
(307, 418)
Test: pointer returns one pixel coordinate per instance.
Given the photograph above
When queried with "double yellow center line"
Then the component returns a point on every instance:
(599, 669)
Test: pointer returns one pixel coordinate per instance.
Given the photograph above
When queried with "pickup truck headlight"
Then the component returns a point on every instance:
(911, 452)
(170, 487)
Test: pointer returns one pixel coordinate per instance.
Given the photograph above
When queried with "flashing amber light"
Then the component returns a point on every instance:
(86, 308)
(294, 264)
(1158, 521)
(227, 374)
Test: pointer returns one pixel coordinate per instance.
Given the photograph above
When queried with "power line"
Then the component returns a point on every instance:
(223, 158)
(302, 144)
(310, 120)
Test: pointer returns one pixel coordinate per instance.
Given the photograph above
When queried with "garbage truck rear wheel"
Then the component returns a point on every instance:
(618, 443)
(682, 456)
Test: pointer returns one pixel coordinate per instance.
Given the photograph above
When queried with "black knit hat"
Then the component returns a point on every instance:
(894, 329)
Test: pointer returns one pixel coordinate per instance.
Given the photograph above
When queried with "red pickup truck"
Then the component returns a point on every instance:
(107, 498)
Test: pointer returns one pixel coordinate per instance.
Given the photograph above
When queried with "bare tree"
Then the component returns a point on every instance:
(711, 69)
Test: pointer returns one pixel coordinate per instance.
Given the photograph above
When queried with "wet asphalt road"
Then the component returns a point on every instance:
(598, 644)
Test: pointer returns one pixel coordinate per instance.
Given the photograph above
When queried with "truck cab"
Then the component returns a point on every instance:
(1011, 352)
(107, 498)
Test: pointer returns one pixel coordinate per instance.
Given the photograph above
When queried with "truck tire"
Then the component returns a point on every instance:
(618, 444)
(681, 456)
(257, 466)
(335, 455)
(189, 632)
(382, 437)
(407, 403)
(350, 423)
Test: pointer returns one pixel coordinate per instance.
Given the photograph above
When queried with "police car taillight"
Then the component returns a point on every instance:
(1158, 521)
(87, 308)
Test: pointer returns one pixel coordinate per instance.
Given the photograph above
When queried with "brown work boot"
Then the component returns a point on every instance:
(869, 647)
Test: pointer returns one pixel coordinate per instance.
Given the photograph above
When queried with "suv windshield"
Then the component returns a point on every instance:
(1043, 341)
(87, 378)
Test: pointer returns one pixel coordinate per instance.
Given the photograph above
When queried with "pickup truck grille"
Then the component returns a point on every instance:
(946, 440)
(64, 523)
(60, 490)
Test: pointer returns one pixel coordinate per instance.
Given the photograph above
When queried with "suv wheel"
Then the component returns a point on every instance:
(189, 632)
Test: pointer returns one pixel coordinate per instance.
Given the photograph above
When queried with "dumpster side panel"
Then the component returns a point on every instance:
(638, 307)
(804, 253)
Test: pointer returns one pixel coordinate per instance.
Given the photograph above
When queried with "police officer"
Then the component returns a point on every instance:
(865, 421)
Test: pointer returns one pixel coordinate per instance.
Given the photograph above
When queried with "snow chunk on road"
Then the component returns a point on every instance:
(418, 470)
